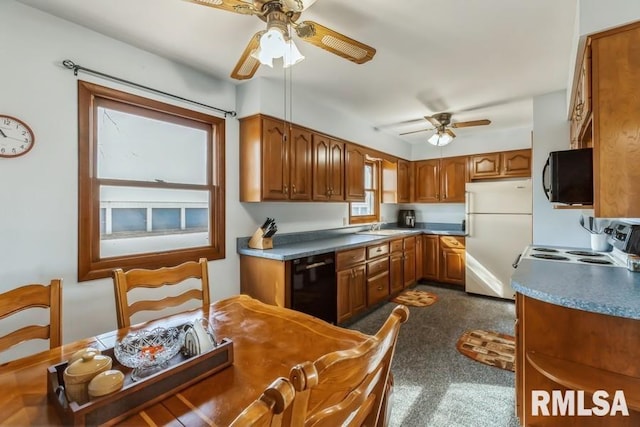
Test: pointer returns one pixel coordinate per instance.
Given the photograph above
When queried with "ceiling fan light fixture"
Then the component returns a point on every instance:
(272, 46)
(291, 54)
(440, 139)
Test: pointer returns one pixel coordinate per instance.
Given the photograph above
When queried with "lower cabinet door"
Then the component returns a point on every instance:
(452, 266)
(396, 266)
(359, 290)
(351, 292)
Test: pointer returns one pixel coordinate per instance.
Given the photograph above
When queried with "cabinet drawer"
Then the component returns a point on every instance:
(346, 259)
(396, 245)
(454, 242)
(377, 288)
(377, 250)
(378, 266)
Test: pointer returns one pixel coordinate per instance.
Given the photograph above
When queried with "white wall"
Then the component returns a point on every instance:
(38, 218)
(551, 133)
(598, 15)
(484, 142)
(306, 110)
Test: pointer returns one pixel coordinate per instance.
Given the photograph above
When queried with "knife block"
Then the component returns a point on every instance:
(259, 242)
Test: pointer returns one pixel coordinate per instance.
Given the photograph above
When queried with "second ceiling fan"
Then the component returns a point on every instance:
(442, 124)
(276, 41)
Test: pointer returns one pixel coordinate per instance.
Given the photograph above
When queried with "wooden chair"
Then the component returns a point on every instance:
(166, 276)
(348, 387)
(33, 296)
(268, 409)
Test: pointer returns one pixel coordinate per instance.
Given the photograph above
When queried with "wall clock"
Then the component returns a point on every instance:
(16, 137)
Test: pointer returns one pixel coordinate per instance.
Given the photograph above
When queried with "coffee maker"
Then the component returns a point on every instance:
(406, 218)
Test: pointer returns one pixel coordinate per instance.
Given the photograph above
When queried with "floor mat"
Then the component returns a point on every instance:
(416, 298)
(490, 348)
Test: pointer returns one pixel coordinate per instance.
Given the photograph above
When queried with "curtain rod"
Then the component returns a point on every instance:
(67, 63)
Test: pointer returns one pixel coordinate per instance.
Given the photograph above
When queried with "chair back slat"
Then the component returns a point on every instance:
(347, 387)
(166, 276)
(268, 409)
(28, 297)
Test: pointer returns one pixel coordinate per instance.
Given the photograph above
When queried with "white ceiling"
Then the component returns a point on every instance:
(475, 58)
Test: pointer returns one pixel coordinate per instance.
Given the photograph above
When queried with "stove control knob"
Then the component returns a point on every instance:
(608, 230)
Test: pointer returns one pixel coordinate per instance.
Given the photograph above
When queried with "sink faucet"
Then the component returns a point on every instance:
(375, 226)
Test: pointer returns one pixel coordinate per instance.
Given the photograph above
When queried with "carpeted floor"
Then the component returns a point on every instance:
(435, 385)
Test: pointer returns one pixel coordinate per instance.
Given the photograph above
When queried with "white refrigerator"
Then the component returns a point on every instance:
(498, 226)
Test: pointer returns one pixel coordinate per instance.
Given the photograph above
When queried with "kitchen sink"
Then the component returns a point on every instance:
(384, 232)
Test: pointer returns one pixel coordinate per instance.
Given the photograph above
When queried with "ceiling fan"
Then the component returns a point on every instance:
(442, 124)
(280, 16)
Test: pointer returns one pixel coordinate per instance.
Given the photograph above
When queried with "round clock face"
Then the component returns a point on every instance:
(16, 137)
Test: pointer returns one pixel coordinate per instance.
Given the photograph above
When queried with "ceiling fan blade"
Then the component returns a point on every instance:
(334, 42)
(237, 6)
(247, 65)
(416, 131)
(435, 122)
(450, 132)
(471, 123)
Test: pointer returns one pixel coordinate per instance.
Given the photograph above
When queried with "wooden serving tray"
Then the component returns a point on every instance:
(135, 395)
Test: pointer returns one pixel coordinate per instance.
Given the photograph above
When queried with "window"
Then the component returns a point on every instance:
(367, 211)
(151, 183)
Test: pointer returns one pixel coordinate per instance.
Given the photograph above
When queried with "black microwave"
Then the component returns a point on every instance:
(567, 177)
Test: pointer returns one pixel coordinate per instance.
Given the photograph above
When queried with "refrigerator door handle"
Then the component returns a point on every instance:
(467, 217)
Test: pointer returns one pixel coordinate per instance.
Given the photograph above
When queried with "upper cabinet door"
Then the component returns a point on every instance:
(427, 174)
(404, 181)
(275, 160)
(321, 166)
(328, 168)
(516, 163)
(337, 170)
(504, 164)
(300, 168)
(453, 175)
(615, 61)
(355, 173)
(484, 166)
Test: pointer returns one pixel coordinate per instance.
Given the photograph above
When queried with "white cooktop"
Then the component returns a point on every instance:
(575, 256)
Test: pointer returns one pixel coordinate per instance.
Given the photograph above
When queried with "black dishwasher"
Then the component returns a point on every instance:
(313, 286)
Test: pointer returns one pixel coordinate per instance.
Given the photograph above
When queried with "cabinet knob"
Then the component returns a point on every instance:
(293, 188)
(286, 189)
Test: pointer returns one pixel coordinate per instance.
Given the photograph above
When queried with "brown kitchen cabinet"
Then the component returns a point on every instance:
(267, 280)
(354, 173)
(431, 254)
(562, 348)
(396, 266)
(440, 180)
(615, 78)
(580, 127)
(404, 181)
(427, 181)
(396, 181)
(443, 258)
(409, 260)
(328, 168)
(403, 263)
(452, 260)
(282, 170)
(505, 164)
(419, 257)
(351, 282)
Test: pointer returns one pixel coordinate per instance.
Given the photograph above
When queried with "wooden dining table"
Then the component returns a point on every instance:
(267, 342)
